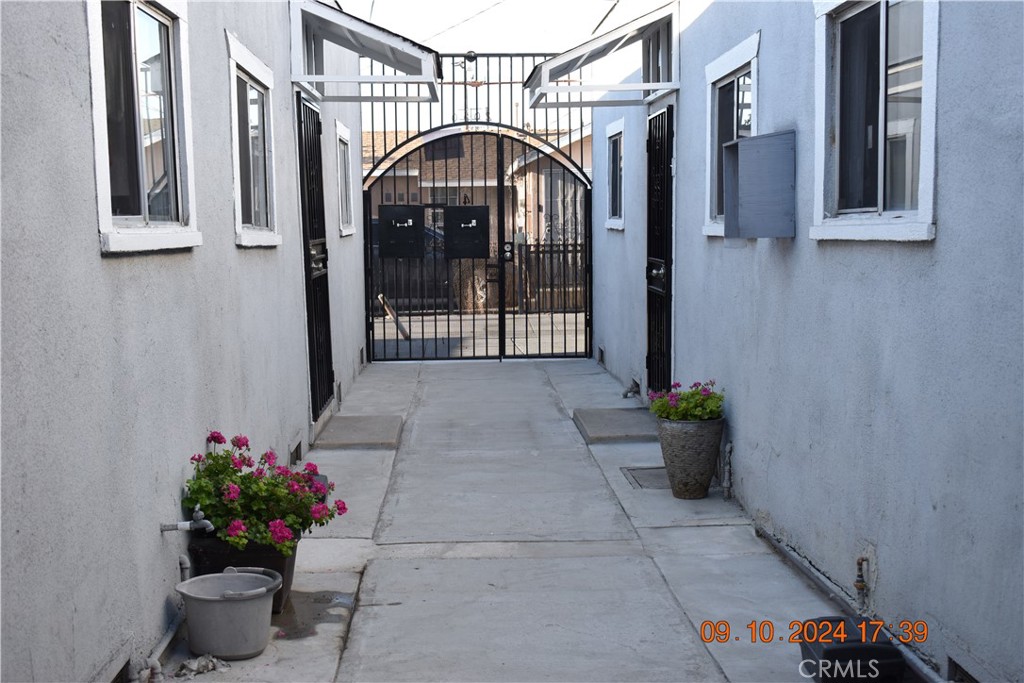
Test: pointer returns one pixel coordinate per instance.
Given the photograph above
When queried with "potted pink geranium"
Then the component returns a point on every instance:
(259, 508)
(690, 427)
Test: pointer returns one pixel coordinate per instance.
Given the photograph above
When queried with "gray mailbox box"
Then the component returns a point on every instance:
(759, 186)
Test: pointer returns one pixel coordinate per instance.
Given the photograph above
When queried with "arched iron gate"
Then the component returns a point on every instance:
(478, 246)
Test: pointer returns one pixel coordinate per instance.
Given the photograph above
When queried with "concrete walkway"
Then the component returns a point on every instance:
(494, 544)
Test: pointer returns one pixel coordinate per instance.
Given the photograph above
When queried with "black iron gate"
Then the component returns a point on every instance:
(478, 247)
(659, 250)
(318, 313)
(477, 216)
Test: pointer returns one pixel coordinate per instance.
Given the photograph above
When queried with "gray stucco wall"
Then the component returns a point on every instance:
(114, 368)
(874, 390)
(620, 253)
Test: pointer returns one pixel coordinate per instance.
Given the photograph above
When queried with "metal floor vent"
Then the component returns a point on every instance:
(646, 477)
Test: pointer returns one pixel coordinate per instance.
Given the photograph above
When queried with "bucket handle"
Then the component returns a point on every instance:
(256, 592)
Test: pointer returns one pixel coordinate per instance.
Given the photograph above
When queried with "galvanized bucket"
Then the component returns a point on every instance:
(228, 614)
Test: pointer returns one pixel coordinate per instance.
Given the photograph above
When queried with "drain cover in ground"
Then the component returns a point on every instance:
(605, 425)
(646, 477)
(363, 431)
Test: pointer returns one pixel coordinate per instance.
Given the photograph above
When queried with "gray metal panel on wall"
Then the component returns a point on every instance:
(760, 186)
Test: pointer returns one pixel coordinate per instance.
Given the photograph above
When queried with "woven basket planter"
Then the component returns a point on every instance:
(690, 450)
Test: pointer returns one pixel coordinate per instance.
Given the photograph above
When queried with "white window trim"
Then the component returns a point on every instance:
(122, 235)
(735, 59)
(344, 134)
(611, 130)
(241, 58)
(895, 226)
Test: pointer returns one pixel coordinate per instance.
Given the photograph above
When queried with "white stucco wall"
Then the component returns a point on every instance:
(874, 390)
(620, 247)
(115, 367)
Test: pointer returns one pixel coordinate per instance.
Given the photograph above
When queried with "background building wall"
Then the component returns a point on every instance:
(873, 389)
(116, 367)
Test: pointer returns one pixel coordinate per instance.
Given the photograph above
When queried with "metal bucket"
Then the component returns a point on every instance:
(228, 614)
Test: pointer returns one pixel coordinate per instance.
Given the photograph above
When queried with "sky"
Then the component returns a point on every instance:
(450, 26)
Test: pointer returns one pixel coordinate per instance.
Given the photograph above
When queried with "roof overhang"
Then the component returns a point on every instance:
(543, 80)
(417, 65)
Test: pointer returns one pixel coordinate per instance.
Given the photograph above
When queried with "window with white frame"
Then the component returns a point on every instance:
(140, 92)
(344, 180)
(252, 82)
(733, 102)
(615, 176)
(731, 115)
(875, 67)
(142, 130)
(879, 121)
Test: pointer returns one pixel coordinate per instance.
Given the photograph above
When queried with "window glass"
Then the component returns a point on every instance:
(152, 50)
(726, 134)
(903, 104)
(858, 110)
(344, 180)
(615, 176)
(122, 140)
(252, 153)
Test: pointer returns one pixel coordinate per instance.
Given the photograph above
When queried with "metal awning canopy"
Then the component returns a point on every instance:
(313, 22)
(542, 82)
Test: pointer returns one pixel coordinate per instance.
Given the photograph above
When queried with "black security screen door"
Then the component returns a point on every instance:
(659, 250)
(318, 308)
(477, 217)
(478, 248)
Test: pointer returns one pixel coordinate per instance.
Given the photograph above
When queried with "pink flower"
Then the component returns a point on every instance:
(673, 400)
(239, 441)
(295, 487)
(236, 527)
(197, 458)
(279, 531)
(249, 462)
(232, 492)
(237, 462)
(270, 457)
(216, 437)
(259, 473)
(676, 385)
(340, 506)
(311, 468)
(695, 385)
(283, 471)
(704, 391)
(320, 511)
(319, 489)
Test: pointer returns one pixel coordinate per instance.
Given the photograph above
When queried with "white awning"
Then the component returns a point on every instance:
(313, 22)
(543, 80)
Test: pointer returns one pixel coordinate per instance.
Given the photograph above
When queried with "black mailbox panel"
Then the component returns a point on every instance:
(466, 232)
(401, 231)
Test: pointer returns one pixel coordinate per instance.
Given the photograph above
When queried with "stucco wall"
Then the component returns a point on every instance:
(114, 368)
(620, 252)
(874, 389)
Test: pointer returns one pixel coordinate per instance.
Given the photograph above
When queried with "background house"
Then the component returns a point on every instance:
(872, 363)
(145, 304)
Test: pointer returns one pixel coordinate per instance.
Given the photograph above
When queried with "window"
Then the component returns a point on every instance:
(141, 130)
(731, 115)
(444, 195)
(615, 176)
(252, 82)
(344, 180)
(252, 152)
(875, 179)
(879, 123)
(140, 98)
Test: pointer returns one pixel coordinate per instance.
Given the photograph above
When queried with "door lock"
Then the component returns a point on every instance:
(658, 272)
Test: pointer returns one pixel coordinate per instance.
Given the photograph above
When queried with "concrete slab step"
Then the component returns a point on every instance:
(611, 425)
(361, 431)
